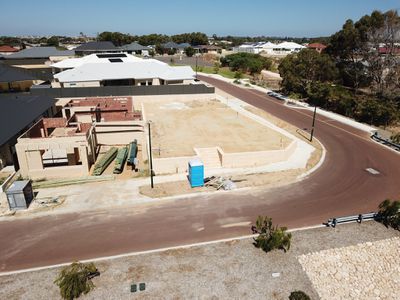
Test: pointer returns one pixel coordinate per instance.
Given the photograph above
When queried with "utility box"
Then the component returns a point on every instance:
(196, 172)
(20, 194)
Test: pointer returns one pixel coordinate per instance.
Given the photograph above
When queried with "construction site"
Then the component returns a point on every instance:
(84, 140)
(213, 131)
(108, 137)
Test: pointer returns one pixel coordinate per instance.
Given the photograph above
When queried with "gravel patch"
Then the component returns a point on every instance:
(229, 270)
(365, 271)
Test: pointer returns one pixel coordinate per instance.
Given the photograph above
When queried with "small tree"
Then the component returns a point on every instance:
(171, 51)
(160, 49)
(238, 74)
(152, 53)
(76, 279)
(189, 51)
(216, 67)
(271, 237)
(389, 213)
(299, 295)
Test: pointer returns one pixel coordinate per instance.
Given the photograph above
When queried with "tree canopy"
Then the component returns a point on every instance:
(246, 62)
(358, 74)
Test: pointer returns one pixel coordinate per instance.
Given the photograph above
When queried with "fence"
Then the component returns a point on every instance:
(385, 142)
(47, 90)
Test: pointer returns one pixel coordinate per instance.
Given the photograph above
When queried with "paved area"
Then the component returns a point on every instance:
(341, 186)
(237, 270)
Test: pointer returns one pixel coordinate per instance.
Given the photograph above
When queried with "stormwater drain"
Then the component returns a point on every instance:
(372, 171)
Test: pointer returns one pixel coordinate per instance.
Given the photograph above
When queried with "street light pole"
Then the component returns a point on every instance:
(196, 64)
(313, 123)
(151, 156)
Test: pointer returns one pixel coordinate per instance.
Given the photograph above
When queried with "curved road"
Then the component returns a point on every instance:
(341, 186)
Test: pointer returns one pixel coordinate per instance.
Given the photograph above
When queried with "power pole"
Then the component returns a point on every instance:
(313, 123)
(151, 157)
(196, 64)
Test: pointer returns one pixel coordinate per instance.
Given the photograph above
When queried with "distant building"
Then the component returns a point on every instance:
(96, 47)
(287, 48)
(389, 50)
(135, 48)
(19, 112)
(269, 48)
(179, 48)
(116, 69)
(317, 46)
(37, 60)
(7, 50)
(208, 49)
(14, 79)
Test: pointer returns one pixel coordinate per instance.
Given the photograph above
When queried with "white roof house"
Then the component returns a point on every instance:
(94, 58)
(288, 47)
(138, 69)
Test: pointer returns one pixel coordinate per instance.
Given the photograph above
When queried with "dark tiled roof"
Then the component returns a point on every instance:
(183, 45)
(39, 52)
(18, 111)
(11, 74)
(134, 47)
(170, 45)
(95, 46)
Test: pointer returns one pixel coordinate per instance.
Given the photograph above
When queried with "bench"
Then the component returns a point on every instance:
(356, 218)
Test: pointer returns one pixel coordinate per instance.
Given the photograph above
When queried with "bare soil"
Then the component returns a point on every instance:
(265, 180)
(179, 126)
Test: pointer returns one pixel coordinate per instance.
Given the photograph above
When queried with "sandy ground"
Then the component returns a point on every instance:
(228, 270)
(266, 180)
(179, 126)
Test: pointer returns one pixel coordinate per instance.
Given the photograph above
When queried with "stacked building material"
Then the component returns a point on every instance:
(120, 160)
(132, 152)
(104, 161)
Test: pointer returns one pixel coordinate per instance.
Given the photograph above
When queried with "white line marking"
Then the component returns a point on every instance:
(236, 224)
(372, 171)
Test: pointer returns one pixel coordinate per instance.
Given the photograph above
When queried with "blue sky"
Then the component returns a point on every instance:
(222, 17)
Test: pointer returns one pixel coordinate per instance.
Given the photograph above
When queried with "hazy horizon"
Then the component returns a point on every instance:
(260, 18)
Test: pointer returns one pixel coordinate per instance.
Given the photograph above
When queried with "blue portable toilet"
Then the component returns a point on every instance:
(196, 172)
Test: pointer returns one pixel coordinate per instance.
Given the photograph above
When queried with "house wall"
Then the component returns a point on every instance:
(255, 159)
(16, 85)
(120, 133)
(228, 160)
(168, 98)
(29, 152)
(81, 84)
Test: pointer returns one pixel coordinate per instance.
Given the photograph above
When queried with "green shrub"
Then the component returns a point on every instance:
(389, 214)
(299, 295)
(271, 237)
(75, 280)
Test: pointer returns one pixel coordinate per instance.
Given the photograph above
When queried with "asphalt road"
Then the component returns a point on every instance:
(341, 186)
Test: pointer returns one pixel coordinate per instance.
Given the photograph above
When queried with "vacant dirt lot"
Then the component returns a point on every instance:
(230, 270)
(179, 126)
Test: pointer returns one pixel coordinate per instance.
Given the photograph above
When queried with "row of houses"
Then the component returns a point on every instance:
(270, 48)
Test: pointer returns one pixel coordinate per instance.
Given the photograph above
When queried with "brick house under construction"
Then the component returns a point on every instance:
(67, 146)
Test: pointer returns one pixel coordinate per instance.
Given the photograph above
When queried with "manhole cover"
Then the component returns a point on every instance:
(372, 171)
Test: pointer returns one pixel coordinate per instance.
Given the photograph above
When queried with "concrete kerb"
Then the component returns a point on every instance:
(319, 164)
(129, 254)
